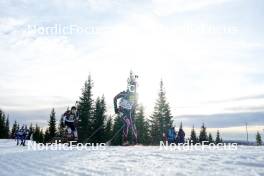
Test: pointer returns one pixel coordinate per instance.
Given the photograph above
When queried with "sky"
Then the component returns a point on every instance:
(209, 55)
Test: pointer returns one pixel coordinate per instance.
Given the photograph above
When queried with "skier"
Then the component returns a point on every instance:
(126, 108)
(181, 136)
(21, 135)
(171, 135)
(164, 138)
(70, 118)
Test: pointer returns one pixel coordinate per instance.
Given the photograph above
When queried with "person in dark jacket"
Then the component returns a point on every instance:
(126, 108)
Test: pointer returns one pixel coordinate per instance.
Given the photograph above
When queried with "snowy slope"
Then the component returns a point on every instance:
(137, 160)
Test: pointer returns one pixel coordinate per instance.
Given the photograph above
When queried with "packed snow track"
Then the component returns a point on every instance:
(132, 160)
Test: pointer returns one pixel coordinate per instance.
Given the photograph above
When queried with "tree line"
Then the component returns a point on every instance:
(95, 126)
(203, 136)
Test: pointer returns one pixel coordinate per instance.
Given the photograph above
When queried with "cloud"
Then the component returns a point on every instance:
(136, 40)
(13, 103)
(222, 120)
(260, 96)
(40, 116)
(168, 7)
(41, 71)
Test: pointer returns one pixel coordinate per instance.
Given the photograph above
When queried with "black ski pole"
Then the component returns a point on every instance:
(86, 140)
(108, 142)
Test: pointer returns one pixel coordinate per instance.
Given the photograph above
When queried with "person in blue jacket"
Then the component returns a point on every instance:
(171, 135)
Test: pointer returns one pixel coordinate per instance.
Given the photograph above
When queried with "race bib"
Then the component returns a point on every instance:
(125, 104)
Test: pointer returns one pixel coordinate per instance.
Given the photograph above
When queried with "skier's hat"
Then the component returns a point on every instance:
(73, 108)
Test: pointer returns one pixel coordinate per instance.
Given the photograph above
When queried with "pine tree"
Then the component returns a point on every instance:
(99, 120)
(154, 130)
(181, 135)
(210, 138)
(38, 134)
(41, 136)
(147, 137)
(14, 129)
(18, 127)
(31, 130)
(86, 111)
(258, 139)
(218, 139)
(52, 125)
(117, 131)
(108, 129)
(193, 136)
(61, 127)
(142, 126)
(6, 129)
(203, 134)
(47, 136)
(161, 118)
(2, 125)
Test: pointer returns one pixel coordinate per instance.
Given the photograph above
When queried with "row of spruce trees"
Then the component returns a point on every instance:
(96, 126)
(194, 139)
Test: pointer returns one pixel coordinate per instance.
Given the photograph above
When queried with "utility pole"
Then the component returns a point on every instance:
(247, 132)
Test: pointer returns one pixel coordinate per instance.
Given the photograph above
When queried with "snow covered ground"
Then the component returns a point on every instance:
(133, 160)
